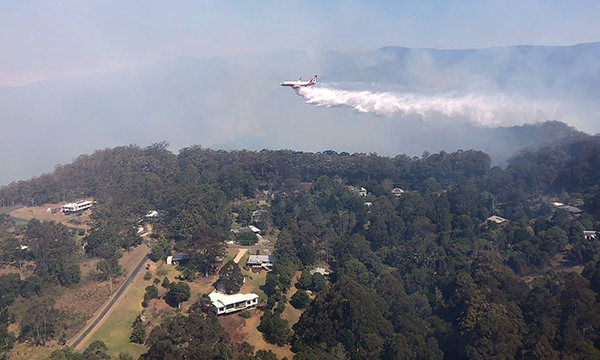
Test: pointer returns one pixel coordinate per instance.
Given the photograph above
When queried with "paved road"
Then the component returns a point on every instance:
(7, 210)
(110, 304)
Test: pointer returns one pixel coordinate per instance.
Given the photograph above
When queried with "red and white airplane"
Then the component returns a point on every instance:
(300, 83)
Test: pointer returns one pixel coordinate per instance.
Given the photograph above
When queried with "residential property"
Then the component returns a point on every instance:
(78, 206)
(256, 215)
(590, 235)
(177, 258)
(320, 270)
(498, 220)
(571, 209)
(226, 304)
(397, 192)
(247, 229)
(260, 262)
(358, 191)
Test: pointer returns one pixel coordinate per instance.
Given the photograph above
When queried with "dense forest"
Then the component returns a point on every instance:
(422, 275)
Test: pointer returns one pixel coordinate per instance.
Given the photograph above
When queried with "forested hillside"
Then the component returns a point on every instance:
(422, 275)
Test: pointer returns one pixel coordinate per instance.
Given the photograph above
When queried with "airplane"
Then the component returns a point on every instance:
(300, 83)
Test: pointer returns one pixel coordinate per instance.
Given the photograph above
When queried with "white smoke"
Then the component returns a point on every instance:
(482, 110)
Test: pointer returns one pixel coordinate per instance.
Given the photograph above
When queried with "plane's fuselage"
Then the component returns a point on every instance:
(299, 83)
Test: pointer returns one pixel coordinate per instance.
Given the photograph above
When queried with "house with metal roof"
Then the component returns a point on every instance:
(260, 261)
(226, 304)
(590, 235)
(498, 220)
(571, 209)
(177, 258)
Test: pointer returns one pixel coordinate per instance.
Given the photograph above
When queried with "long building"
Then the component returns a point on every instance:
(81, 205)
(225, 304)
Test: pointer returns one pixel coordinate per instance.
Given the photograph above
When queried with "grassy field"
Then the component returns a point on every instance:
(115, 329)
(39, 212)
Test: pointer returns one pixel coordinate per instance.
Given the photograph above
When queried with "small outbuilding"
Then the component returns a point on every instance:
(177, 258)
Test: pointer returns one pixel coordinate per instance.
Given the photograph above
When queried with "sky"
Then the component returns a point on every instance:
(44, 39)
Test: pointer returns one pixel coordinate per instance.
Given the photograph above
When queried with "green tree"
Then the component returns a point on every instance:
(230, 279)
(138, 332)
(275, 329)
(41, 321)
(305, 279)
(300, 299)
(190, 336)
(178, 293)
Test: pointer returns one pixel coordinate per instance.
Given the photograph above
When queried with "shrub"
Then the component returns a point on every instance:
(246, 314)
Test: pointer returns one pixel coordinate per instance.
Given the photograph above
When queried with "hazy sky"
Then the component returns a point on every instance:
(43, 39)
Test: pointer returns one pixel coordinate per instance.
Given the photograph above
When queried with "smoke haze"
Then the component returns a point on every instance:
(480, 109)
(409, 100)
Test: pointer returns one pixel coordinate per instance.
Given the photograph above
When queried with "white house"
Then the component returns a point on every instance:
(498, 220)
(225, 304)
(397, 192)
(81, 205)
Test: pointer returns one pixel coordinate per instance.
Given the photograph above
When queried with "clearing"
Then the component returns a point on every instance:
(78, 221)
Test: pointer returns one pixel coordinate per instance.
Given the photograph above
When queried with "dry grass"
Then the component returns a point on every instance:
(40, 212)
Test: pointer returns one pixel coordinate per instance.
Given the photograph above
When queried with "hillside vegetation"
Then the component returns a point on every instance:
(424, 274)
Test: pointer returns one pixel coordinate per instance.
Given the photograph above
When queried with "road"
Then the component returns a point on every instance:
(8, 209)
(110, 304)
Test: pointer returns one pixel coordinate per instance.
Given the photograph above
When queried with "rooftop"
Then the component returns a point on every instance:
(497, 219)
(260, 259)
(220, 300)
(571, 209)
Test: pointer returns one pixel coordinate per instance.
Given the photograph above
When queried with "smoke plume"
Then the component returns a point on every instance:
(481, 109)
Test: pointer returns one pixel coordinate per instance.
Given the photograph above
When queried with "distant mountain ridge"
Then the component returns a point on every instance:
(237, 102)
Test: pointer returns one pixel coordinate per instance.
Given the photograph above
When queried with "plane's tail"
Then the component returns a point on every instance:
(313, 80)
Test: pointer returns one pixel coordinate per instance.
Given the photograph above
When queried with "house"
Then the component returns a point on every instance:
(247, 229)
(226, 304)
(260, 261)
(368, 204)
(320, 270)
(498, 220)
(397, 192)
(78, 206)
(590, 235)
(256, 215)
(359, 191)
(177, 258)
(571, 209)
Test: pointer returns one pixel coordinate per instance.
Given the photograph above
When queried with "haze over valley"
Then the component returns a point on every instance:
(391, 100)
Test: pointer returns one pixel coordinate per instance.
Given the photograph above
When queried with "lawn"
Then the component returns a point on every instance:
(115, 329)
